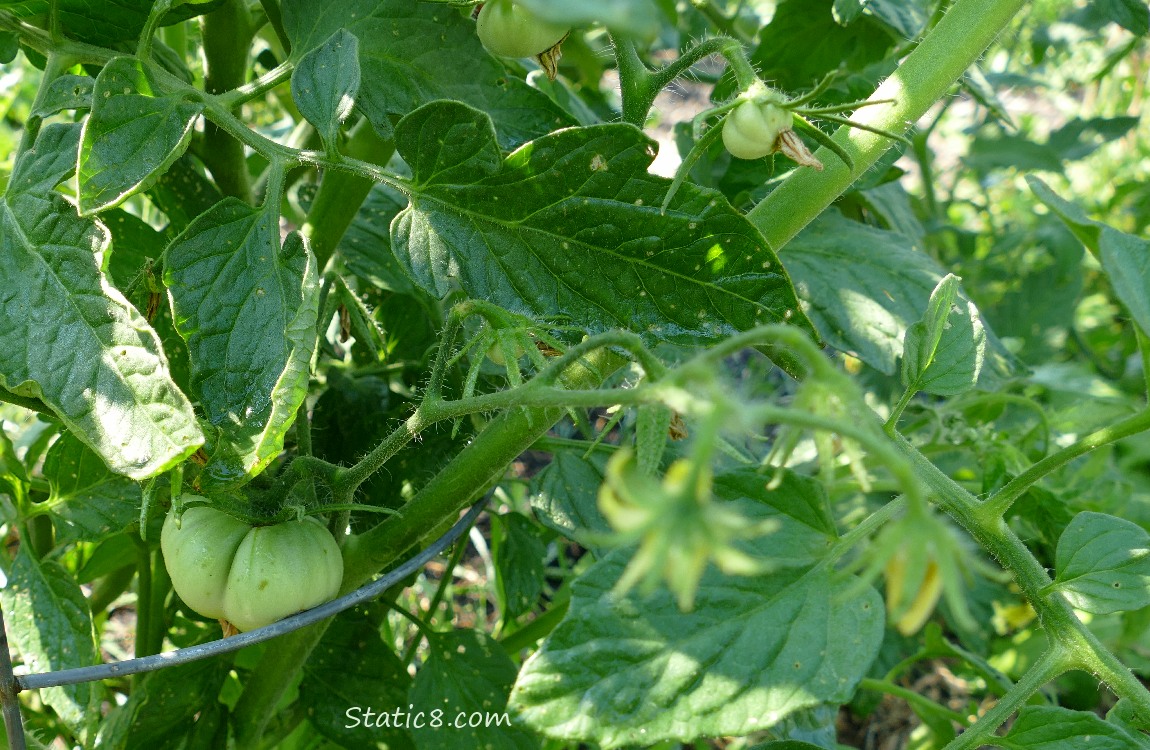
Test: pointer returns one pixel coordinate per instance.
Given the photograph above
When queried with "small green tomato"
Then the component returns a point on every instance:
(250, 576)
(751, 131)
(508, 29)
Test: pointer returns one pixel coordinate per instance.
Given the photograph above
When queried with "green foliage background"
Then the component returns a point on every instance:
(336, 259)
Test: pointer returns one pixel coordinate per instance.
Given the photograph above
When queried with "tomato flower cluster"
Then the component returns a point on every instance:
(678, 525)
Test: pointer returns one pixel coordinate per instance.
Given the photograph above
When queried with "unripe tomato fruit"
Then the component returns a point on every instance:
(752, 130)
(509, 30)
(250, 576)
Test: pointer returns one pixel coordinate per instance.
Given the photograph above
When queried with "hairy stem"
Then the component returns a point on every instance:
(999, 503)
(1053, 663)
(1057, 616)
(341, 194)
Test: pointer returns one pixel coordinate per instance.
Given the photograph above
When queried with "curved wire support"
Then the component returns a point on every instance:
(236, 642)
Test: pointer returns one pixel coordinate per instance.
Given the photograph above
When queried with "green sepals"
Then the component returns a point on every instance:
(818, 136)
(680, 528)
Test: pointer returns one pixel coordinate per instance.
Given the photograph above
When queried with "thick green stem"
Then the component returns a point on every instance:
(270, 679)
(160, 588)
(923, 78)
(635, 85)
(143, 601)
(227, 36)
(639, 85)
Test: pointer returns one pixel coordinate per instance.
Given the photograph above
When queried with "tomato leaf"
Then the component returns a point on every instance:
(569, 227)
(13, 475)
(325, 83)
(730, 667)
(366, 246)
(99, 22)
(134, 133)
(1125, 257)
(168, 704)
(801, 500)
(863, 287)
(1053, 728)
(350, 671)
(803, 43)
(563, 496)
(247, 308)
(1103, 564)
(414, 53)
(47, 617)
(1132, 15)
(943, 351)
(9, 47)
(66, 92)
(69, 337)
(519, 553)
(88, 501)
(466, 672)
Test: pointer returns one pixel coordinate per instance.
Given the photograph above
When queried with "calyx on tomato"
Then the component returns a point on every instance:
(508, 29)
(250, 576)
(752, 130)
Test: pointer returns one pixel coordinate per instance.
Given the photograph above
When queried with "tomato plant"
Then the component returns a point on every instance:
(791, 357)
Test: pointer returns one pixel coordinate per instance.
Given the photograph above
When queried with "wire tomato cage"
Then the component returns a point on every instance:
(11, 685)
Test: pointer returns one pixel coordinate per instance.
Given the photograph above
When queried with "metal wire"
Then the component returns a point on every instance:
(236, 642)
(13, 721)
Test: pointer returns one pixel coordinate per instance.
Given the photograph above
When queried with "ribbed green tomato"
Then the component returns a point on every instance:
(751, 130)
(508, 29)
(250, 576)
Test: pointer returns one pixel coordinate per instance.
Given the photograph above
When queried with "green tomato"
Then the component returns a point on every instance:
(495, 353)
(752, 130)
(509, 30)
(250, 576)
